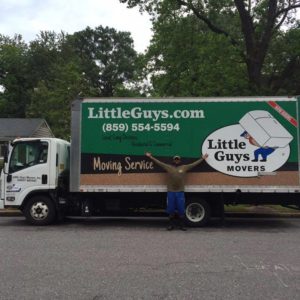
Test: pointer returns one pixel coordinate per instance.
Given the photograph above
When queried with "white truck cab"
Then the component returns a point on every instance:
(30, 175)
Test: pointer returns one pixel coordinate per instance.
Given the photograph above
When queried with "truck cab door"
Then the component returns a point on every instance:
(1, 190)
(3, 161)
(28, 170)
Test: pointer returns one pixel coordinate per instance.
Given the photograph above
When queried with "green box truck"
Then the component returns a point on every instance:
(252, 143)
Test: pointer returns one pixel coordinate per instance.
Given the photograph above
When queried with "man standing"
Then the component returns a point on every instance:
(175, 186)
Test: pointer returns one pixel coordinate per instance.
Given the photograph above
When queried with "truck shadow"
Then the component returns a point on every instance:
(248, 223)
(232, 223)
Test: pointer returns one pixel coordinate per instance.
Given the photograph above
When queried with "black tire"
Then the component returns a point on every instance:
(40, 210)
(197, 213)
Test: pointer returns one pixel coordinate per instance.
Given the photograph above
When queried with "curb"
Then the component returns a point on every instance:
(261, 215)
(10, 213)
(16, 213)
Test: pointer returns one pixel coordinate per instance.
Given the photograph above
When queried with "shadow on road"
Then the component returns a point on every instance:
(232, 223)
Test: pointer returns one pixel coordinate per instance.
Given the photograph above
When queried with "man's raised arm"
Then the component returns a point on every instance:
(195, 163)
(158, 162)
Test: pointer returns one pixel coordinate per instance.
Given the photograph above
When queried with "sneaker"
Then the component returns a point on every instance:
(181, 224)
(170, 227)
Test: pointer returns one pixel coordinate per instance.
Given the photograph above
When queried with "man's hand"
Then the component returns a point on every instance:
(148, 154)
(205, 156)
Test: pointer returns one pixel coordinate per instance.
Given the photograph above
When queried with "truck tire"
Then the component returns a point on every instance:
(197, 213)
(40, 210)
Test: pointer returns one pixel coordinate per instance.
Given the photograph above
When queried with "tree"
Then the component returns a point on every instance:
(43, 78)
(13, 77)
(283, 63)
(56, 79)
(92, 62)
(185, 59)
(257, 21)
(107, 58)
(44, 52)
(52, 100)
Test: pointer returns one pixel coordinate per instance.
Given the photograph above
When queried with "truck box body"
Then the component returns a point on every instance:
(252, 146)
(252, 143)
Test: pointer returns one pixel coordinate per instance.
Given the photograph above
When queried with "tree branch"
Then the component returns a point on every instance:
(287, 9)
(266, 36)
(281, 21)
(247, 24)
(272, 15)
(203, 18)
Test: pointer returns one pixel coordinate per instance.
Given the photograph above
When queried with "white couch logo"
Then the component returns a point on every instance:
(258, 144)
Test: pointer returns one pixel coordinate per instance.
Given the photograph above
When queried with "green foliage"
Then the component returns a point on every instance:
(251, 27)
(188, 60)
(43, 78)
(282, 67)
(56, 80)
(13, 77)
(52, 100)
(199, 48)
(107, 57)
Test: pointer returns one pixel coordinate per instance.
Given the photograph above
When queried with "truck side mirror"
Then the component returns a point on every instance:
(8, 178)
(5, 154)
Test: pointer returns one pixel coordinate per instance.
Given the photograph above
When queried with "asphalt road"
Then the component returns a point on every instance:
(139, 259)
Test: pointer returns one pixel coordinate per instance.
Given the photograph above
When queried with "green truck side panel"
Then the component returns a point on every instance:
(183, 136)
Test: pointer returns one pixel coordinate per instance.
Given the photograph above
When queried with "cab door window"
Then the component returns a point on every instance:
(28, 154)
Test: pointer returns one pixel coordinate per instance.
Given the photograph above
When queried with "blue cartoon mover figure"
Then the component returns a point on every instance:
(264, 152)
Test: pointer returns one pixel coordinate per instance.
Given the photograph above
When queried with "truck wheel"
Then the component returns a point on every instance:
(197, 213)
(40, 210)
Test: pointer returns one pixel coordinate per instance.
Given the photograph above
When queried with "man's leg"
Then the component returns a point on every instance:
(180, 205)
(256, 154)
(171, 202)
(266, 152)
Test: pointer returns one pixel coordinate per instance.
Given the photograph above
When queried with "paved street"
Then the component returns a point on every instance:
(139, 259)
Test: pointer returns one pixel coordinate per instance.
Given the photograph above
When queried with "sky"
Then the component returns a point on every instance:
(29, 17)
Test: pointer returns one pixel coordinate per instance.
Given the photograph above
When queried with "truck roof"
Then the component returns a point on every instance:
(192, 99)
(42, 139)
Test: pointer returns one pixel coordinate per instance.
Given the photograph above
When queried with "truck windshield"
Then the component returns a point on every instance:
(28, 154)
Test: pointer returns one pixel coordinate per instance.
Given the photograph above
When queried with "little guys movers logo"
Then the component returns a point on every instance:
(258, 144)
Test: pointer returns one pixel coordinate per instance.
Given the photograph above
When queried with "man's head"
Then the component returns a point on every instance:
(176, 160)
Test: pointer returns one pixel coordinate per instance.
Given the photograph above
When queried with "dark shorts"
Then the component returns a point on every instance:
(264, 152)
(176, 203)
